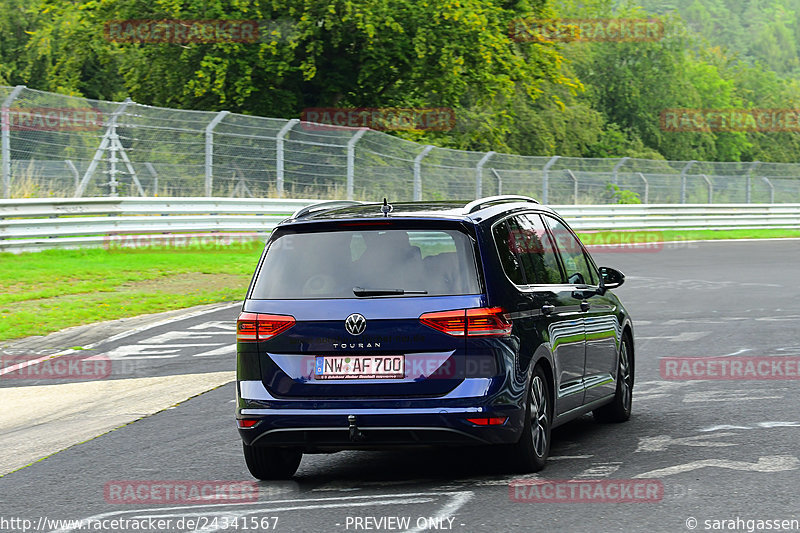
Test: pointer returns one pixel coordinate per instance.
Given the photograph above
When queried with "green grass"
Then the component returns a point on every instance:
(47, 291)
(614, 237)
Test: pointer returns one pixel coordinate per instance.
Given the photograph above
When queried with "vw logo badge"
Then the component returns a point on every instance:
(355, 324)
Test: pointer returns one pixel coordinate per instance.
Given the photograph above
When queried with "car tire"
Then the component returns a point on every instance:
(271, 463)
(530, 453)
(619, 409)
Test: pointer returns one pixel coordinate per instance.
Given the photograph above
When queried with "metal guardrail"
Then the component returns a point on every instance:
(37, 224)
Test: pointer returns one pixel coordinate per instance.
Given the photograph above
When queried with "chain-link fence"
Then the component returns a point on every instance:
(62, 146)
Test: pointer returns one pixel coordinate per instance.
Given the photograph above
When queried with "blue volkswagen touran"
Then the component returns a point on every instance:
(370, 326)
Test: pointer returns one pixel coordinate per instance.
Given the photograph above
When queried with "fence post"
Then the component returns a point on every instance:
(546, 177)
(479, 174)
(5, 154)
(418, 172)
(616, 168)
(74, 170)
(574, 186)
(351, 160)
(710, 188)
(210, 150)
(111, 131)
(749, 179)
(279, 157)
(646, 187)
(499, 181)
(152, 170)
(683, 179)
(771, 189)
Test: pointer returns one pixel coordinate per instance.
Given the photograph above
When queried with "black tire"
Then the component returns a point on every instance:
(619, 410)
(271, 463)
(530, 453)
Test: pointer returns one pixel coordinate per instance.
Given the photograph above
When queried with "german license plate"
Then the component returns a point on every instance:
(360, 367)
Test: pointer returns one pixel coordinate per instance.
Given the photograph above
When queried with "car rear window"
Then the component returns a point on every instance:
(300, 266)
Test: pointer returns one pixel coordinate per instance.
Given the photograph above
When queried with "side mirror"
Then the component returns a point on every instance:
(612, 278)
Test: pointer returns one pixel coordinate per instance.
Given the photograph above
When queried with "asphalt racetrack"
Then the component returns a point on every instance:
(717, 449)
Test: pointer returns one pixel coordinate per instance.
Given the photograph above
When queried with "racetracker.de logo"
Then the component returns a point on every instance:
(380, 118)
(730, 120)
(179, 492)
(730, 368)
(52, 119)
(80, 367)
(181, 31)
(586, 30)
(531, 241)
(586, 490)
(182, 241)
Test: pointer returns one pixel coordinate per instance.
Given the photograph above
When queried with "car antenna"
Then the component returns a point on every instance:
(386, 208)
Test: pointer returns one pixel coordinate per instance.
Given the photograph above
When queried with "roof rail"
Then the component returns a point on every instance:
(322, 206)
(481, 203)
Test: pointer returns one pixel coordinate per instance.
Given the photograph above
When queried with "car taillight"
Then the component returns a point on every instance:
(481, 322)
(492, 321)
(254, 327)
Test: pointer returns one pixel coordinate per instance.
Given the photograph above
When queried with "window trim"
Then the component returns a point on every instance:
(519, 260)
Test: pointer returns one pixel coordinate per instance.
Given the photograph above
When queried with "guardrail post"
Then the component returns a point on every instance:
(111, 131)
(279, 154)
(710, 188)
(683, 179)
(5, 151)
(646, 187)
(749, 180)
(574, 186)
(616, 169)
(479, 174)
(418, 172)
(771, 189)
(351, 160)
(210, 150)
(546, 177)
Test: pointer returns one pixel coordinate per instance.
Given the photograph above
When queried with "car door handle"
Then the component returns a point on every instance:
(585, 306)
(548, 309)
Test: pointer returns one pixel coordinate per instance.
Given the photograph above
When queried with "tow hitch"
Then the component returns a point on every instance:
(355, 433)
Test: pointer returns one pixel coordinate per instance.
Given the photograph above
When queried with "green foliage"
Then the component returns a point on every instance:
(615, 195)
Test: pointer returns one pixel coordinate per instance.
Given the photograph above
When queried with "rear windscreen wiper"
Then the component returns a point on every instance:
(360, 291)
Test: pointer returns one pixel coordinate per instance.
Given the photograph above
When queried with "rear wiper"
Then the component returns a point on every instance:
(360, 291)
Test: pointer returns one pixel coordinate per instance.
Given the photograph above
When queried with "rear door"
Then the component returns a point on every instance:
(355, 333)
(599, 314)
(560, 308)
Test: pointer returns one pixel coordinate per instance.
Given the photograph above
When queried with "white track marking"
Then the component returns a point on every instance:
(770, 463)
(459, 498)
(736, 395)
(659, 443)
(118, 336)
(599, 470)
(765, 425)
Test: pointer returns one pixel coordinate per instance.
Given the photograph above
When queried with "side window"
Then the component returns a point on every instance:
(579, 270)
(537, 252)
(507, 251)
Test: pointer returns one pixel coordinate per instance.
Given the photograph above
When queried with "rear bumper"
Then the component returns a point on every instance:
(325, 425)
